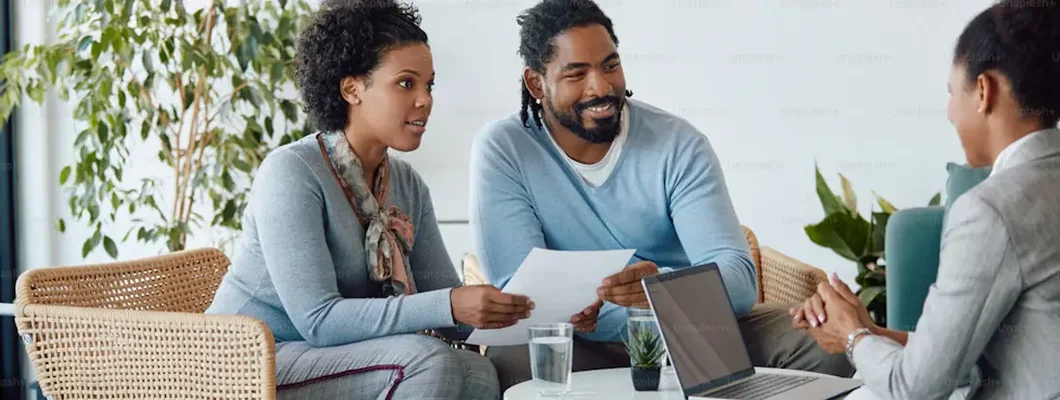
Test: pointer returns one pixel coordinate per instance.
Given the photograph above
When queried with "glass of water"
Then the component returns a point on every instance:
(551, 357)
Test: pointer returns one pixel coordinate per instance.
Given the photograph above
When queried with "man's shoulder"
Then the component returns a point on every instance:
(504, 137)
(664, 127)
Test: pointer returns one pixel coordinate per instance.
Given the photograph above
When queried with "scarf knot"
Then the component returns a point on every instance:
(389, 233)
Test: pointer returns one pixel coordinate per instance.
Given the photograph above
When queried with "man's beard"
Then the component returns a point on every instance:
(606, 129)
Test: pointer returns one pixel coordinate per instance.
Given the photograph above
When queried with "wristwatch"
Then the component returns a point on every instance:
(850, 341)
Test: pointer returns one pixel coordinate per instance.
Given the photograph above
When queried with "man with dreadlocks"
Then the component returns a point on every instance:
(584, 167)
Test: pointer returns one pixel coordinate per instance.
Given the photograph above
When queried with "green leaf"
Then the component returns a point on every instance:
(165, 5)
(85, 42)
(241, 165)
(61, 225)
(936, 200)
(886, 205)
(879, 233)
(86, 248)
(290, 111)
(64, 175)
(850, 200)
(828, 199)
(114, 201)
(276, 72)
(149, 63)
(228, 183)
(145, 128)
(869, 294)
(102, 131)
(110, 246)
(842, 232)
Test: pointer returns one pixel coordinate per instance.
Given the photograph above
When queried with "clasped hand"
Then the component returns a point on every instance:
(831, 314)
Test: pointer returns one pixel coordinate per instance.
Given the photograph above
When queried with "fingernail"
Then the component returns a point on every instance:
(820, 318)
(599, 292)
(813, 323)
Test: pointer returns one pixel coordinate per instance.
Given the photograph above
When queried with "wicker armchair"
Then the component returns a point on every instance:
(136, 330)
(781, 279)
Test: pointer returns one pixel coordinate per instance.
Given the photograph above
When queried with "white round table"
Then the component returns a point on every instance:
(615, 383)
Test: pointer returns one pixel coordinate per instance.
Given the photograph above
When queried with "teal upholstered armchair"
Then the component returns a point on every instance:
(912, 249)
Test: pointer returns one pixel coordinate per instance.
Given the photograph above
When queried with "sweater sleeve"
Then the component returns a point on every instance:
(705, 219)
(288, 208)
(504, 225)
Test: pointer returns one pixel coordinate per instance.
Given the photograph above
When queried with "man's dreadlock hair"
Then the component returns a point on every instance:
(539, 26)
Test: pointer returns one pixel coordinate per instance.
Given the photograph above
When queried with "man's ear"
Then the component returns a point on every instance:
(349, 87)
(533, 82)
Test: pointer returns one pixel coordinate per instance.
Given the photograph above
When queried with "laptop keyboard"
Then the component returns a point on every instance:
(761, 386)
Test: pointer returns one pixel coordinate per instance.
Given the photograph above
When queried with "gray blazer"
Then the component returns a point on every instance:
(993, 315)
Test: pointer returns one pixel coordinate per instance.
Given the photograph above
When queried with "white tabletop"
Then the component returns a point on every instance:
(617, 384)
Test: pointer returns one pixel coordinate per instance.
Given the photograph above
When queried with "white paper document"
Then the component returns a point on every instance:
(560, 283)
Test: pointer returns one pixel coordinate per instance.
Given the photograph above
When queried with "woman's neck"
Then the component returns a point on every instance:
(369, 151)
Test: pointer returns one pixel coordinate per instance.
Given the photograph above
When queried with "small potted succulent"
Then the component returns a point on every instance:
(645, 354)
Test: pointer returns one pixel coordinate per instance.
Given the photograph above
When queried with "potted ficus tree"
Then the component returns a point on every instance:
(645, 350)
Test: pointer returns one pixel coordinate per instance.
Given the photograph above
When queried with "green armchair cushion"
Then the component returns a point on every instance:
(911, 248)
(961, 178)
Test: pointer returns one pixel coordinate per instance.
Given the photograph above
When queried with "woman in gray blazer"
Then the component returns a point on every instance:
(991, 319)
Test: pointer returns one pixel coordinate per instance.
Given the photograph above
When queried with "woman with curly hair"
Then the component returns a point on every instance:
(341, 255)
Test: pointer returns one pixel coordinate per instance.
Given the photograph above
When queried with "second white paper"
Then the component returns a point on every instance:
(560, 283)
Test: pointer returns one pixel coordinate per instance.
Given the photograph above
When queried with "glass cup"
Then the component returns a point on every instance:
(551, 357)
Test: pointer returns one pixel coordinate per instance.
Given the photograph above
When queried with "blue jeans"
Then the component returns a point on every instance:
(411, 366)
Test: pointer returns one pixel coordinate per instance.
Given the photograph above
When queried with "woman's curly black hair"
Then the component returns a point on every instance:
(348, 38)
(541, 24)
(1021, 40)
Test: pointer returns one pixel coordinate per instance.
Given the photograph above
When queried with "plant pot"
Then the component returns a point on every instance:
(645, 378)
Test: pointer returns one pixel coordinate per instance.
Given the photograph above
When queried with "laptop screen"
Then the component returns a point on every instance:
(699, 327)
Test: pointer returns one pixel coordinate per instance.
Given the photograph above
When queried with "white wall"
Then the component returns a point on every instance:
(859, 86)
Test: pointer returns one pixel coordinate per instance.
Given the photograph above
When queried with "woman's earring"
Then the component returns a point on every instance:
(356, 101)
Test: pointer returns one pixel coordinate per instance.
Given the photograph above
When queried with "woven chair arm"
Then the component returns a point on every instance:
(787, 280)
(84, 353)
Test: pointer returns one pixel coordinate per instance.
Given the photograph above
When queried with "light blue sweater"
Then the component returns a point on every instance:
(300, 266)
(666, 198)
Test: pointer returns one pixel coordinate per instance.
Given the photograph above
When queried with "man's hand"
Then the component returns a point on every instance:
(624, 288)
(585, 321)
(486, 307)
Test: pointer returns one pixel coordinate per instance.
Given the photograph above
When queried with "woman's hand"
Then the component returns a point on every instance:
(486, 307)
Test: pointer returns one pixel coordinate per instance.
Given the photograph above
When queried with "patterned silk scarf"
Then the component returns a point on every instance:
(388, 236)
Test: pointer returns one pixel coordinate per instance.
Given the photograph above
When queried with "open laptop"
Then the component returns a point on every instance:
(707, 350)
